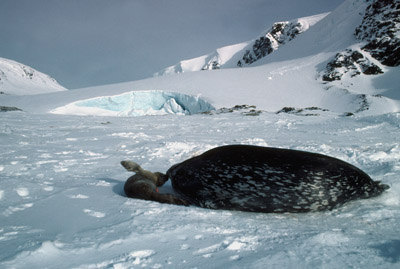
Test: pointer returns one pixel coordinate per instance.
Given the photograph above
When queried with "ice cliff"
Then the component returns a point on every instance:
(138, 103)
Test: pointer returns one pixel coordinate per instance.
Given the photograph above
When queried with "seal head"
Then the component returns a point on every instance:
(144, 185)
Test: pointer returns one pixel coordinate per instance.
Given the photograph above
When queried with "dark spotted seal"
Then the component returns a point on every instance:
(262, 179)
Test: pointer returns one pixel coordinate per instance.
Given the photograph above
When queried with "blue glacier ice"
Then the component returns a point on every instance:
(140, 103)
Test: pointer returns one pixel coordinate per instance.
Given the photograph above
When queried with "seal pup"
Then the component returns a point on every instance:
(143, 185)
(263, 179)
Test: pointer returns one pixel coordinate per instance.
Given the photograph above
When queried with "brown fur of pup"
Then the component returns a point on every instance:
(143, 185)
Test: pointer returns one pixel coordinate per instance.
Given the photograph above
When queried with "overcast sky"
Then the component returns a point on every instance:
(94, 42)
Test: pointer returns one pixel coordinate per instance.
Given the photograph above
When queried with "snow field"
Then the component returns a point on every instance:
(63, 205)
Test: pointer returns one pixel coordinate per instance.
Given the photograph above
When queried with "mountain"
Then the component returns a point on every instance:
(375, 50)
(330, 67)
(20, 79)
(380, 28)
(246, 53)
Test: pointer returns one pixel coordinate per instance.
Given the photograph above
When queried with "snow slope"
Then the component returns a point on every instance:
(19, 79)
(246, 53)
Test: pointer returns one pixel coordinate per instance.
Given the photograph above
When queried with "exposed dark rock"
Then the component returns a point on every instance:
(212, 65)
(280, 33)
(29, 73)
(252, 112)
(381, 29)
(9, 108)
(301, 111)
(288, 110)
(364, 104)
(352, 62)
(246, 110)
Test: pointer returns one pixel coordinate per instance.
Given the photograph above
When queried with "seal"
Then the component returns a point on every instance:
(263, 179)
(144, 185)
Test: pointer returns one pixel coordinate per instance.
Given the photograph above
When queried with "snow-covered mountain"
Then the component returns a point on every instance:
(20, 79)
(328, 66)
(380, 30)
(246, 53)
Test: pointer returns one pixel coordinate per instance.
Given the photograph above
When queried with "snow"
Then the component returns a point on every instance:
(221, 56)
(270, 87)
(63, 205)
(19, 79)
(332, 34)
(228, 56)
(61, 182)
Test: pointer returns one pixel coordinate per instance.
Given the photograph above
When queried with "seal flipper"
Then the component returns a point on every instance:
(168, 199)
(131, 166)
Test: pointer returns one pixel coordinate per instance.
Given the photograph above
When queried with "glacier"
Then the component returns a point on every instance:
(138, 103)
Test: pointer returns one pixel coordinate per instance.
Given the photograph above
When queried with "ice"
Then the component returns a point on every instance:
(138, 103)
(22, 192)
(85, 221)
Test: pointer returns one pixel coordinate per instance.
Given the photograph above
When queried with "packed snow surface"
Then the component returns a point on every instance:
(62, 202)
(137, 103)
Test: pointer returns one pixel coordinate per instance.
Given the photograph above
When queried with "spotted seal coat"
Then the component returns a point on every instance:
(263, 179)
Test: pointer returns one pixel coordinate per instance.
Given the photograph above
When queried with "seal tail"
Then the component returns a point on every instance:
(376, 189)
(381, 187)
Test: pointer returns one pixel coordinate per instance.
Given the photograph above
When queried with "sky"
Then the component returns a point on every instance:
(84, 43)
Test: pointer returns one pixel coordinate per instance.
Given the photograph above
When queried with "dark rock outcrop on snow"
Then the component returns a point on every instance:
(381, 29)
(9, 108)
(352, 62)
(246, 110)
(280, 33)
(212, 65)
(308, 111)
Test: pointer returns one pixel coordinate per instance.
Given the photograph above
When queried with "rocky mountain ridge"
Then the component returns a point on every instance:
(246, 53)
(278, 35)
(379, 37)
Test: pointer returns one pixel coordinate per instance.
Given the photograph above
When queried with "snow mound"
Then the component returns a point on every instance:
(19, 79)
(137, 103)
